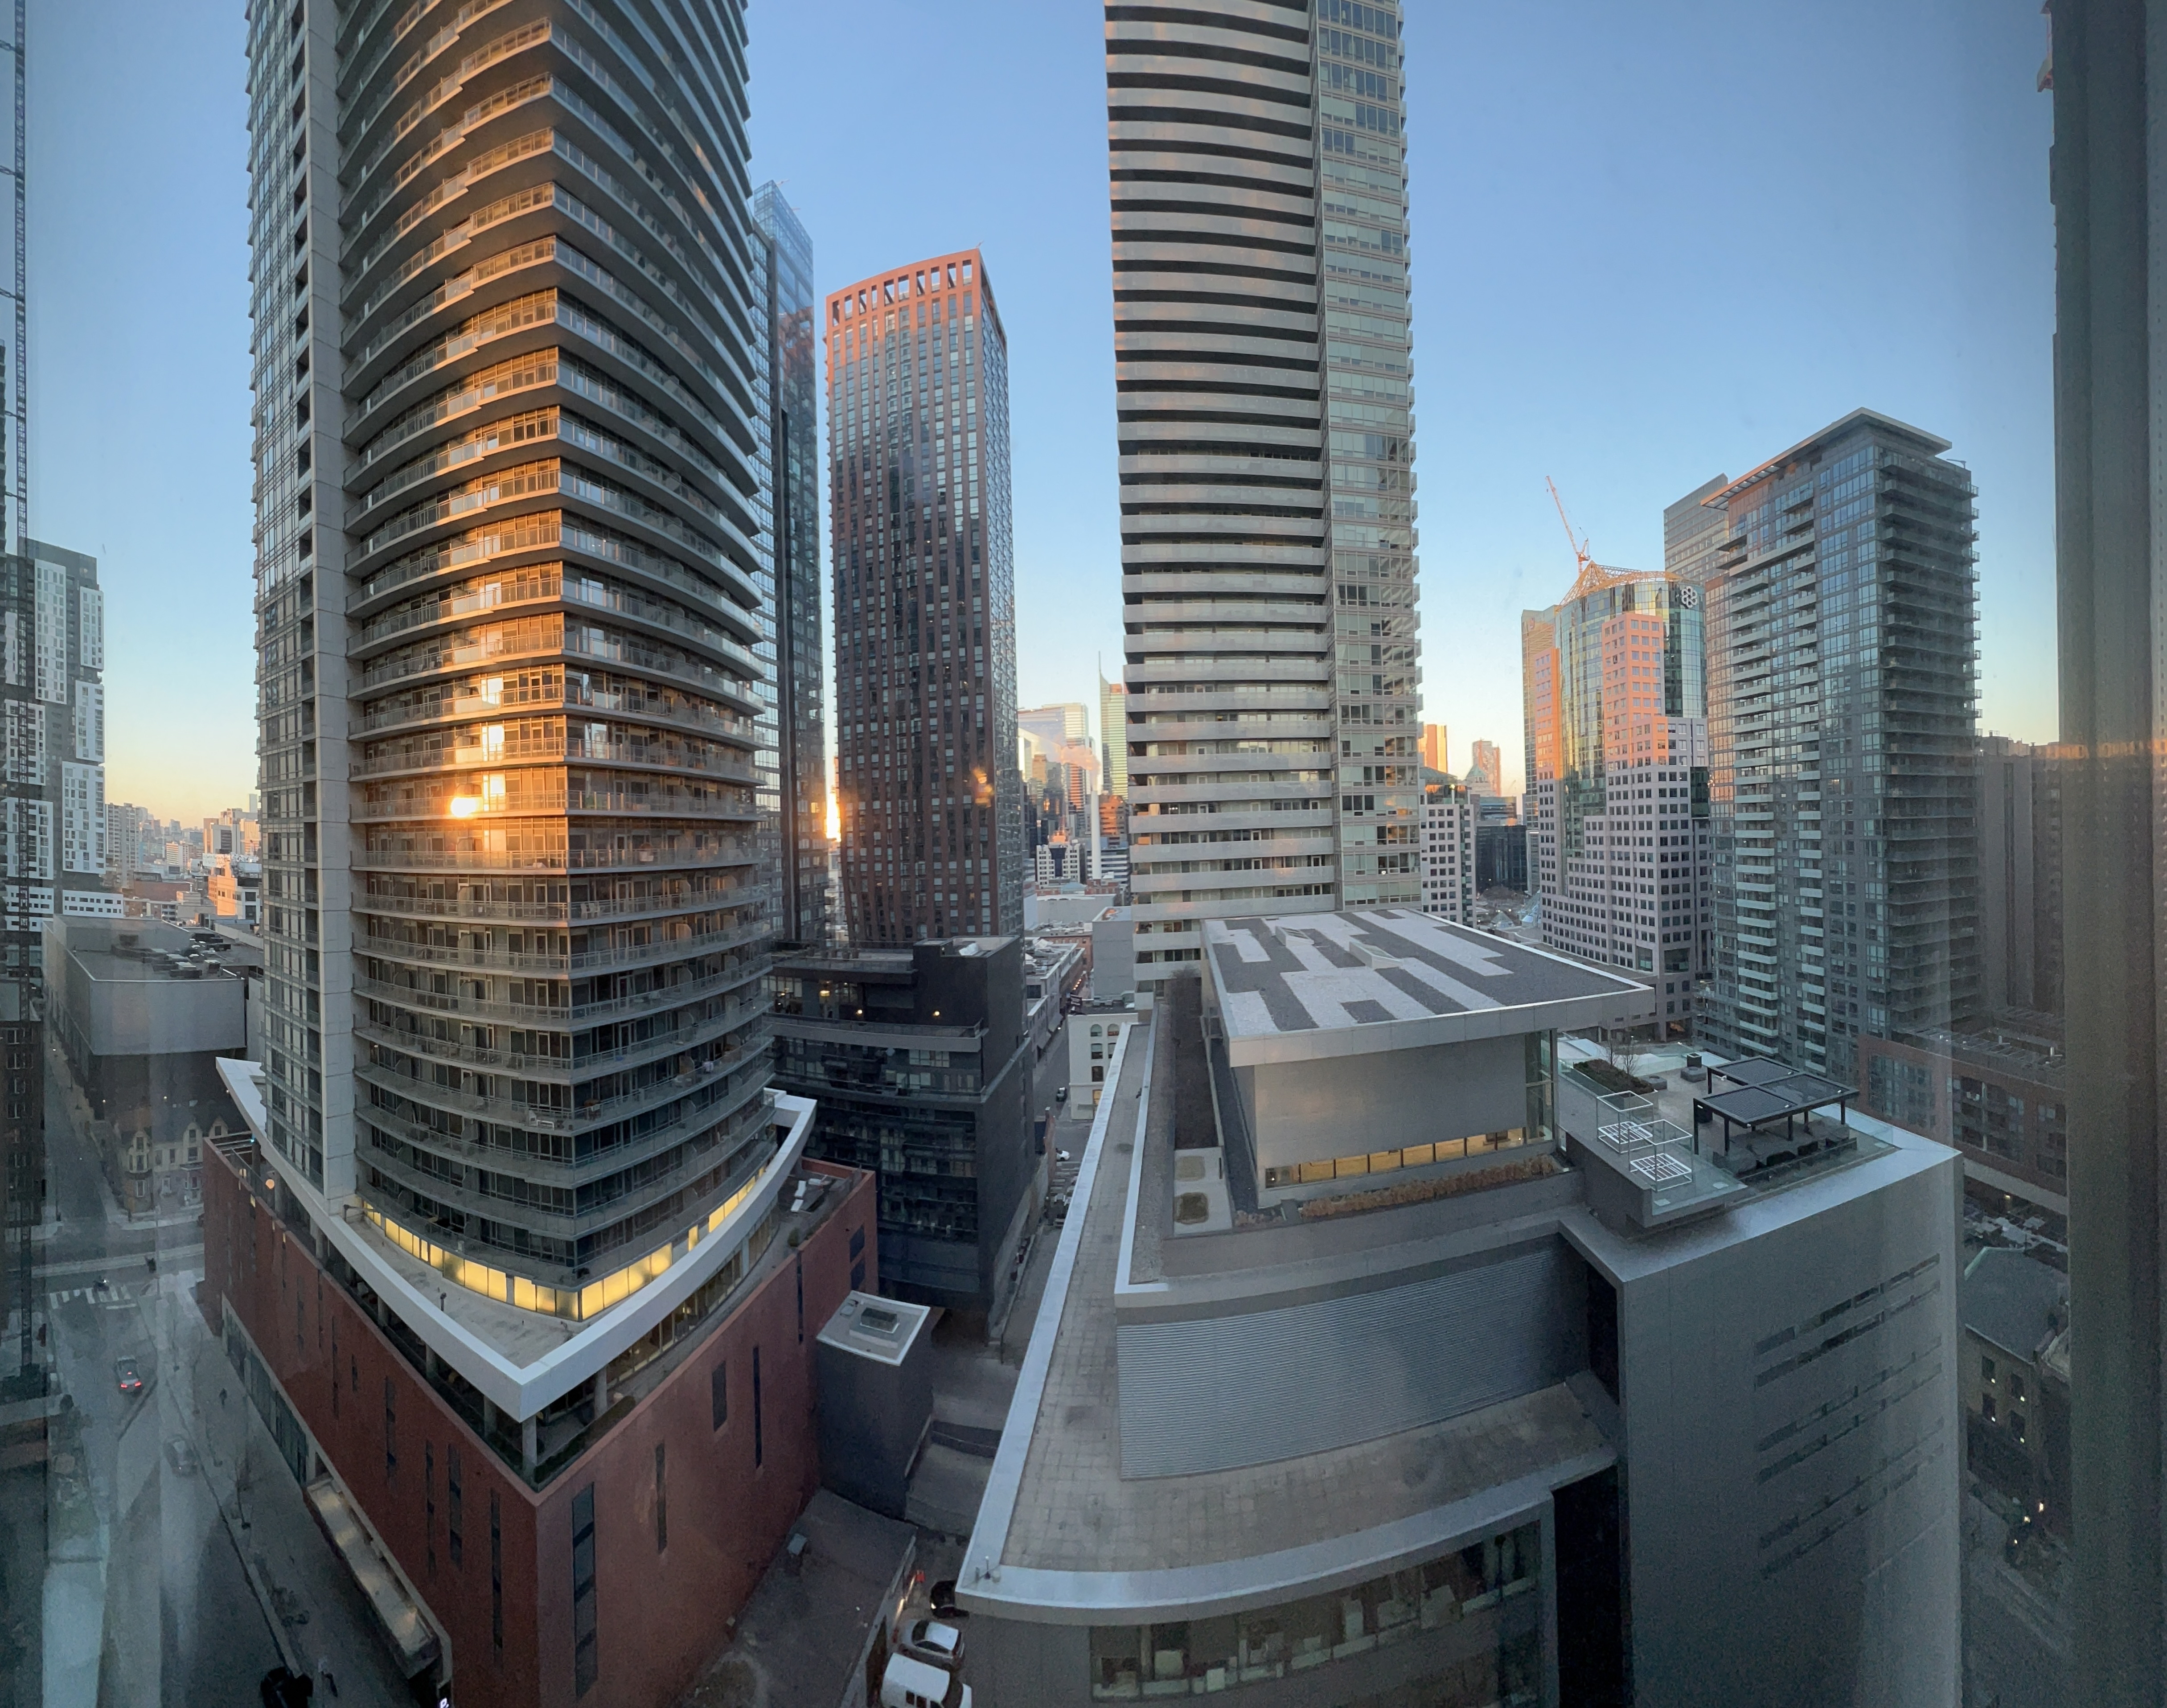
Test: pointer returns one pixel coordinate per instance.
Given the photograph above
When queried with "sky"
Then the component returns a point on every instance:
(1649, 245)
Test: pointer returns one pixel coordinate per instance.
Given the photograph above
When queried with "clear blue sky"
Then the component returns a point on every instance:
(1649, 244)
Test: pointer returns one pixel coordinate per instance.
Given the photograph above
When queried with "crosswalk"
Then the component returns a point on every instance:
(125, 1292)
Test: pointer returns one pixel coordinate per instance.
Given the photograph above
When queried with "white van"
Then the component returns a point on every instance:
(908, 1684)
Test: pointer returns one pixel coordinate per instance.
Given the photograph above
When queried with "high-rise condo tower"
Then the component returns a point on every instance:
(506, 554)
(1262, 367)
(1842, 694)
(513, 1251)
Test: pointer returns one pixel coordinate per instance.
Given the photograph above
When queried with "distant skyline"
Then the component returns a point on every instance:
(1609, 223)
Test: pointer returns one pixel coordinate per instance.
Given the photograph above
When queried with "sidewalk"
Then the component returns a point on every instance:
(315, 1608)
(302, 1589)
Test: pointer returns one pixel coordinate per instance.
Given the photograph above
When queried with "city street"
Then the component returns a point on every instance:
(1069, 1130)
(2017, 1638)
(89, 1223)
(181, 1561)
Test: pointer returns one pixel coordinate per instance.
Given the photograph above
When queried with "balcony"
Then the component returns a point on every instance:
(705, 853)
(596, 1217)
(564, 911)
(579, 1065)
(559, 1158)
(559, 966)
(560, 1017)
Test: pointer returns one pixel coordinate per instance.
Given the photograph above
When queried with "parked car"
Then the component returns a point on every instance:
(932, 1642)
(943, 1599)
(1061, 1095)
(908, 1684)
(130, 1378)
(182, 1457)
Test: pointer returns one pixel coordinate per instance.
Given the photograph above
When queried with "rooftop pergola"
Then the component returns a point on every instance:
(1763, 1093)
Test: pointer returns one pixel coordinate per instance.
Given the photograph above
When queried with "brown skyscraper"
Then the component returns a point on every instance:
(927, 785)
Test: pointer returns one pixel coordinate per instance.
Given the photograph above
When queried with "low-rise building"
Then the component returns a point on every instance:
(1054, 969)
(232, 890)
(1052, 910)
(1096, 1029)
(154, 898)
(143, 1012)
(1381, 1355)
(2016, 1311)
(919, 1058)
(542, 1487)
(1997, 1093)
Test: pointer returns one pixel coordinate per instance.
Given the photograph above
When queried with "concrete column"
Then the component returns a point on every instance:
(488, 1415)
(601, 1391)
(528, 1450)
(2108, 181)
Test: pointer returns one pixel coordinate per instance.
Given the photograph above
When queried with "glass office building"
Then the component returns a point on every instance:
(788, 422)
(1613, 682)
(927, 784)
(1843, 776)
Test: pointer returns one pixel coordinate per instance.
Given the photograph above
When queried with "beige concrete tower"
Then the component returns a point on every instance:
(1263, 363)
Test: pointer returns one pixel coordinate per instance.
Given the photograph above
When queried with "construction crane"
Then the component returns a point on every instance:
(1579, 546)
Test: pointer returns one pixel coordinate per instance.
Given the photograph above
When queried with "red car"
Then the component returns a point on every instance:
(130, 1380)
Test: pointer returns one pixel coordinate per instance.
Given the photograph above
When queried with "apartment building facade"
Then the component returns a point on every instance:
(1842, 648)
(1263, 358)
(516, 606)
(1448, 852)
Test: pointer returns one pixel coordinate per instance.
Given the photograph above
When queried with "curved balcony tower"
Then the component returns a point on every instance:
(510, 576)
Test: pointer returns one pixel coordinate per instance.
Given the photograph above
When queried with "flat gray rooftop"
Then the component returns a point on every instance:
(879, 961)
(844, 962)
(107, 967)
(1288, 974)
(868, 1326)
(800, 1639)
(1074, 1512)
